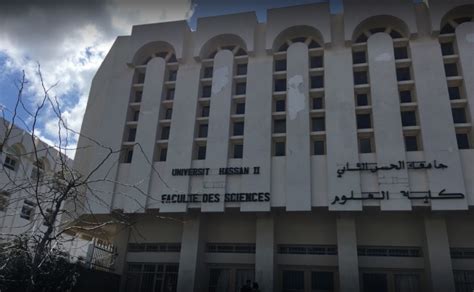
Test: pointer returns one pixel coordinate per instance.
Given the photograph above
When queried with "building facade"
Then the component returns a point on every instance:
(327, 149)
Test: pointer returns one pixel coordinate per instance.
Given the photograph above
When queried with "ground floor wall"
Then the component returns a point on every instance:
(300, 251)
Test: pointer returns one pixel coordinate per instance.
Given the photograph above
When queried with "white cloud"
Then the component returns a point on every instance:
(70, 41)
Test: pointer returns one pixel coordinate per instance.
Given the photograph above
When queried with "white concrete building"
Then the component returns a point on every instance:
(327, 149)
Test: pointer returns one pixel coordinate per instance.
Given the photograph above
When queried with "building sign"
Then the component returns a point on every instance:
(213, 171)
(375, 167)
(215, 198)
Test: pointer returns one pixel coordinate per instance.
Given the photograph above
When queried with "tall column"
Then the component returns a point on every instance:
(142, 161)
(437, 127)
(219, 127)
(265, 252)
(437, 254)
(347, 254)
(298, 162)
(388, 128)
(191, 265)
(120, 242)
(341, 138)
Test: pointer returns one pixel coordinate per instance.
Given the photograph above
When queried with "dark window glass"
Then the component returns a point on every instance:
(463, 141)
(408, 118)
(241, 52)
(168, 113)
(173, 59)
(201, 153)
(360, 77)
(405, 96)
(403, 74)
(240, 88)
(377, 30)
(362, 38)
(170, 94)
(172, 75)
(240, 108)
(238, 129)
(359, 57)
(238, 150)
(206, 91)
(293, 281)
(299, 40)
(165, 133)
(280, 105)
(280, 65)
(207, 72)
(316, 62)
(411, 143)
(283, 47)
(163, 153)
(364, 121)
(279, 148)
(401, 53)
(128, 154)
(280, 84)
(279, 126)
(319, 148)
(447, 29)
(138, 96)
(318, 103)
(395, 34)
(132, 132)
(205, 111)
(447, 49)
(322, 281)
(365, 145)
(202, 131)
(136, 115)
(141, 78)
(464, 281)
(317, 81)
(318, 124)
(313, 44)
(375, 282)
(459, 115)
(241, 69)
(451, 69)
(463, 19)
(454, 92)
(362, 99)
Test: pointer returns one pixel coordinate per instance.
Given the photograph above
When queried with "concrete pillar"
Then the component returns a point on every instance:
(191, 265)
(340, 126)
(265, 252)
(142, 162)
(298, 162)
(465, 44)
(120, 241)
(347, 254)
(388, 134)
(437, 255)
(437, 128)
(219, 127)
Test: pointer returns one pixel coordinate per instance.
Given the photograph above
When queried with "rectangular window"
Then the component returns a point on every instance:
(172, 75)
(10, 162)
(279, 148)
(322, 281)
(362, 99)
(201, 152)
(280, 85)
(316, 62)
(293, 281)
(411, 143)
(4, 196)
(163, 153)
(27, 210)
(317, 81)
(408, 118)
(240, 88)
(132, 132)
(451, 69)
(319, 147)
(364, 121)
(403, 74)
(318, 124)
(359, 57)
(138, 96)
(151, 277)
(447, 49)
(280, 105)
(280, 65)
(318, 103)
(374, 282)
(361, 77)
(127, 155)
(241, 69)
(168, 113)
(405, 96)
(459, 115)
(165, 133)
(365, 145)
(206, 91)
(464, 281)
(454, 92)
(202, 133)
(205, 111)
(207, 72)
(170, 94)
(401, 53)
(463, 140)
(240, 108)
(135, 115)
(238, 129)
(141, 78)
(238, 151)
(279, 126)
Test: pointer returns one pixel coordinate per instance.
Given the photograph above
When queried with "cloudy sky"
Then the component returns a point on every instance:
(70, 38)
